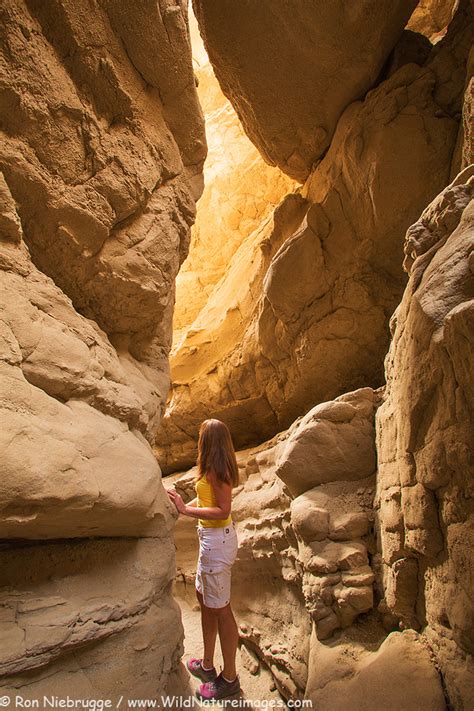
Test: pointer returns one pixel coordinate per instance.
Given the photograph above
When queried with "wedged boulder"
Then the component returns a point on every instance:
(333, 442)
(291, 70)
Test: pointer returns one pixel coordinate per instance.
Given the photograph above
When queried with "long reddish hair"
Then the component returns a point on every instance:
(216, 452)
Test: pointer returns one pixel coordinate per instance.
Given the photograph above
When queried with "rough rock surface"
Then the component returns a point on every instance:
(431, 17)
(301, 314)
(333, 442)
(101, 151)
(75, 461)
(466, 134)
(66, 625)
(300, 48)
(424, 489)
(311, 552)
(361, 673)
(353, 585)
(303, 582)
(343, 612)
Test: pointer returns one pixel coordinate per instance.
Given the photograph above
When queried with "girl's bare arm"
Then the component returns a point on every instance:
(223, 496)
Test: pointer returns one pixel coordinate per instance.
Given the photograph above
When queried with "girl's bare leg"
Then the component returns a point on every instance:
(229, 638)
(209, 631)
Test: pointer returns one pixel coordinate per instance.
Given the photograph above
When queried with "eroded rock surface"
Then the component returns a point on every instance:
(102, 145)
(360, 672)
(300, 48)
(431, 17)
(306, 580)
(351, 580)
(311, 551)
(301, 313)
(425, 511)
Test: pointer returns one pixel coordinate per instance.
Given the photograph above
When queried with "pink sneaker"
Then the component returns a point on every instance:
(195, 667)
(219, 688)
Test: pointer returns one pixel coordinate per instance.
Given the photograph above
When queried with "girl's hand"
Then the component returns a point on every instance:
(177, 500)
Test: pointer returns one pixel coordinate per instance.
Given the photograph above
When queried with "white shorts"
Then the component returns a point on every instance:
(217, 552)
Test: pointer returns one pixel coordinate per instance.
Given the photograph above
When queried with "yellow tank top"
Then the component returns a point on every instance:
(205, 498)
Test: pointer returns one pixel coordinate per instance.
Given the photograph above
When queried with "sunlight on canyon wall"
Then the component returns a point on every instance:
(324, 310)
(240, 191)
(336, 346)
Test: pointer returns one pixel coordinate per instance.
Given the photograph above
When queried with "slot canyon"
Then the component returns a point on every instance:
(259, 211)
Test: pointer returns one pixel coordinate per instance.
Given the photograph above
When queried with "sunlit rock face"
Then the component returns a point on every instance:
(431, 17)
(240, 192)
(355, 564)
(101, 163)
(301, 314)
(290, 70)
(425, 439)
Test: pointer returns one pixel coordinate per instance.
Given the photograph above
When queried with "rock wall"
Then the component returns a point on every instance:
(300, 48)
(424, 490)
(101, 164)
(240, 193)
(301, 314)
(306, 583)
(362, 541)
(353, 583)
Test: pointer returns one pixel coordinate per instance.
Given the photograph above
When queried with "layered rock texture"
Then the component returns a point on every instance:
(311, 549)
(343, 232)
(102, 146)
(301, 313)
(354, 578)
(308, 581)
(424, 490)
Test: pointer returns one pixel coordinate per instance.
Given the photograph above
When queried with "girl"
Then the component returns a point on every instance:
(217, 475)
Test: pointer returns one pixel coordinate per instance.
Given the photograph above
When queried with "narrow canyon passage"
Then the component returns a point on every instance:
(260, 212)
(281, 329)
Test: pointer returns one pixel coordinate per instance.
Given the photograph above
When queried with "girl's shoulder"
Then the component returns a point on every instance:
(212, 478)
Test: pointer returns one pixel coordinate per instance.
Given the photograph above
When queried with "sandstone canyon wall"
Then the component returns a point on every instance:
(353, 584)
(241, 191)
(301, 313)
(102, 147)
(424, 492)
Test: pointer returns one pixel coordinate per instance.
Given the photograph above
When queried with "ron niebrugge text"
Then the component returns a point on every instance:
(57, 702)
